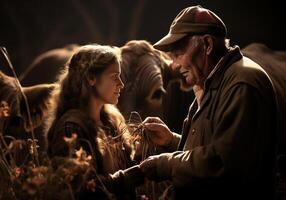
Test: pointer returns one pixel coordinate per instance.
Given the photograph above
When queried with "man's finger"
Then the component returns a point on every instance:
(152, 120)
(154, 126)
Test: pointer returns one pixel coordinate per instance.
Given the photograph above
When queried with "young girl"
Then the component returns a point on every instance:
(84, 105)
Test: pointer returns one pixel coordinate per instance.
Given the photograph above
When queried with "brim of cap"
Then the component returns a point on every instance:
(166, 43)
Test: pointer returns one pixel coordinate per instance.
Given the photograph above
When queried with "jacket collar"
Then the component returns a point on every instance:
(215, 77)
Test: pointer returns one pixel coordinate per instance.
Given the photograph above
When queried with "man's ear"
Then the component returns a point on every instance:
(209, 43)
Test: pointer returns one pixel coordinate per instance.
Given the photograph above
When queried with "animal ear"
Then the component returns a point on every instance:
(38, 97)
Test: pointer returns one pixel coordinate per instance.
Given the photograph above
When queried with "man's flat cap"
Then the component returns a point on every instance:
(194, 20)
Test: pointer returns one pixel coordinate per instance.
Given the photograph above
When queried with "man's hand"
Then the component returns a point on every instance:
(158, 131)
(149, 168)
(122, 181)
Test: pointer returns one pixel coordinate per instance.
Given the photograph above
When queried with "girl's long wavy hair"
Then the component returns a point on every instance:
(73, 89)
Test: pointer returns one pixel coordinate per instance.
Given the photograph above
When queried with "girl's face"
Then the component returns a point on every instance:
(109, 84)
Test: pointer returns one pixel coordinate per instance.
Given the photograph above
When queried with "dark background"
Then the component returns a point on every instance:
(31, 27)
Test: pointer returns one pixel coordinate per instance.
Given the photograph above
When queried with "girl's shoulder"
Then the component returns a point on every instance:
(74, 120)
(75, 116)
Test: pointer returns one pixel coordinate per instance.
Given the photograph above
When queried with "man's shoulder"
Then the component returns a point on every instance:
(247, 71)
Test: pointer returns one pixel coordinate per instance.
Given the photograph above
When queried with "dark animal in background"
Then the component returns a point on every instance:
(17, 124)
(274, 63)
(143, 70)
(45, 67)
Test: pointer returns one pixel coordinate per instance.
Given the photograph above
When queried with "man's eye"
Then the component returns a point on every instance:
(176, 54)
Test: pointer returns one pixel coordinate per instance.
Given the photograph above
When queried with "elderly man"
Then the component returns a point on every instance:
(227, 146)
(228, 142)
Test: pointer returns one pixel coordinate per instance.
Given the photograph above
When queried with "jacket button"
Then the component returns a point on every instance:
(193, 131)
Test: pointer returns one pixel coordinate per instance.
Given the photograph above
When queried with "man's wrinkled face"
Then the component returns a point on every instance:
(190, 60)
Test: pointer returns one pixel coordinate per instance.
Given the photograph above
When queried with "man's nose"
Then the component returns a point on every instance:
(176, 65)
